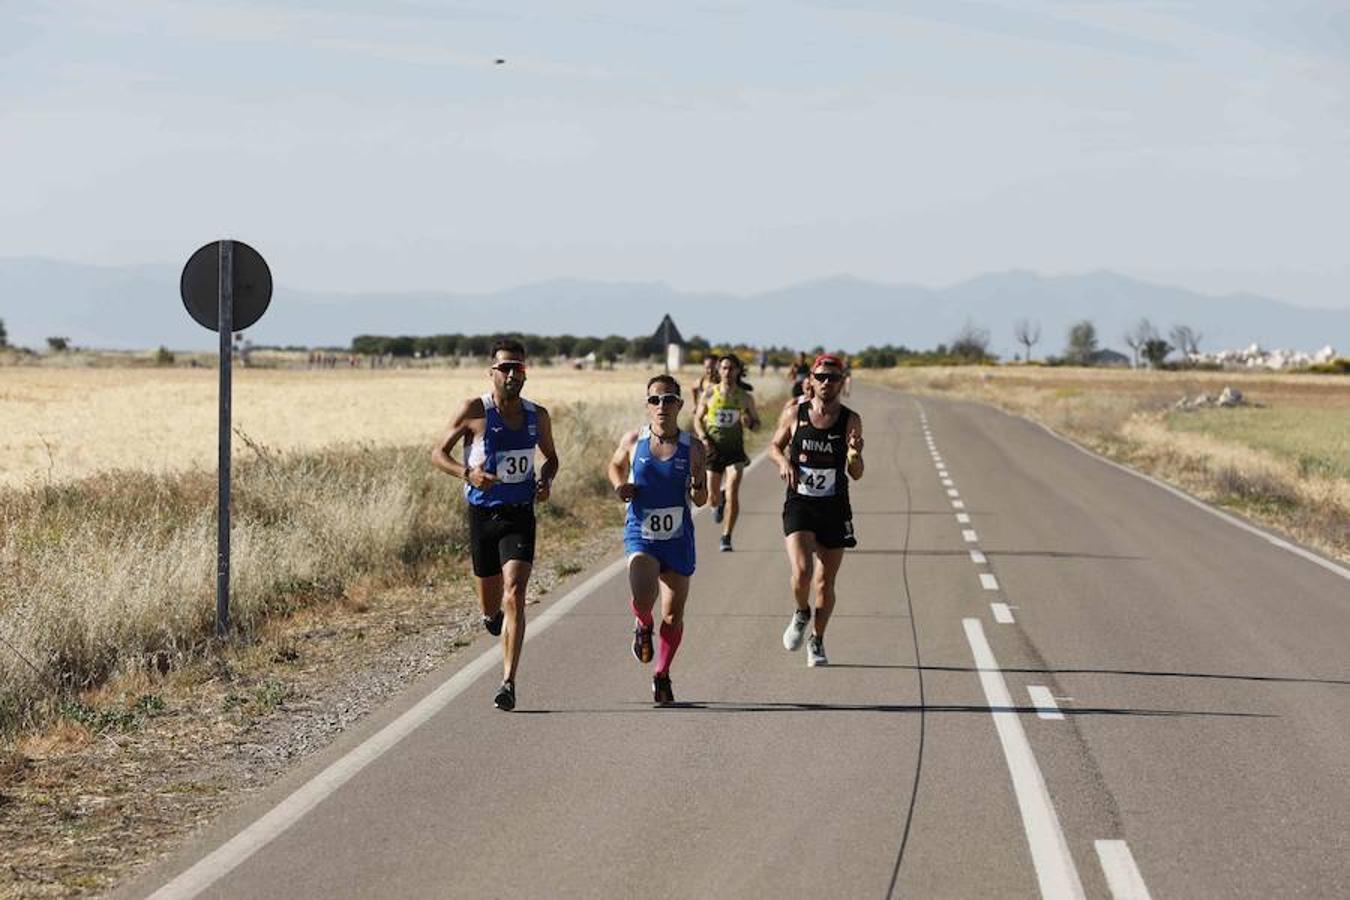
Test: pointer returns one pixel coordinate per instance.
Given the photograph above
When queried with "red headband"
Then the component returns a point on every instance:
(828, 359)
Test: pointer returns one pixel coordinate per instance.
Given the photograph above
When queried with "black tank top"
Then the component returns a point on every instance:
(821, 458)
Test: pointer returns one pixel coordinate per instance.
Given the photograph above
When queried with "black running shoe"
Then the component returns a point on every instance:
(493, 624)
(642, 644)
(662, 693)
(506, 696)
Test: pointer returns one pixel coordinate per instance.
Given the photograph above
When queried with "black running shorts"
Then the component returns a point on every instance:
(498, 534)
(725, 453)
(831, 523)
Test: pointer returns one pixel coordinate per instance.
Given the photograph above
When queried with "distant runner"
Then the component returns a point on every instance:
(708, 378)
(501, 431)
(720, 420)
(818, 447)
(657, 471)
(797, 373)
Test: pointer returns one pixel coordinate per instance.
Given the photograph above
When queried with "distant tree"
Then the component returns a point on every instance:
(1082, 343)
(163, 356)
(4, 337)
(1185, 339)
(58, 344)
(971, 343)
(1155, 350)
(1142, 332)
(1028, 334)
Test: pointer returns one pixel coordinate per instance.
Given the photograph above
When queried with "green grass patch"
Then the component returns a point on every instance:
(1317, 440)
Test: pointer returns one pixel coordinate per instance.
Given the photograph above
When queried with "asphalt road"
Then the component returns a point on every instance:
(1092, 687)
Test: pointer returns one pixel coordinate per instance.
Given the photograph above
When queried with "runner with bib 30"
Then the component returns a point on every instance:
(818, 448)
(501, 431)
(657, 471)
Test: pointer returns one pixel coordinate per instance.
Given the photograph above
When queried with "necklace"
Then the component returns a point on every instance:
(667, 440)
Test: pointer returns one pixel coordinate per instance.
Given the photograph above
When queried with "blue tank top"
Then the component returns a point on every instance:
(505, 453)
(659, 510)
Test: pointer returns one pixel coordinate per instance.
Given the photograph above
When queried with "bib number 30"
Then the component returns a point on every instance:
(515, 466)
(662, 524)
(815, 482)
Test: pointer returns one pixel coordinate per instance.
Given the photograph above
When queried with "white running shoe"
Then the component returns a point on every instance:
(792, 638)
(815, 652)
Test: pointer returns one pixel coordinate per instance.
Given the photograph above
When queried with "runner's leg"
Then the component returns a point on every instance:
(674, 594)
(516, 579)
(830, 561)
(733, 498)
(800, 546)
(489, 594)
(644, 574)
(714, 487)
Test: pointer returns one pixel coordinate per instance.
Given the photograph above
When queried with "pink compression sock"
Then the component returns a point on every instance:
(644, 618)
(666, 647)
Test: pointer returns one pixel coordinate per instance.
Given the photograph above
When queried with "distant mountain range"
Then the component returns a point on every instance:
(138, 307)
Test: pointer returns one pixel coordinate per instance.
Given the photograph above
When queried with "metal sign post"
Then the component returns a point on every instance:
(225, 286)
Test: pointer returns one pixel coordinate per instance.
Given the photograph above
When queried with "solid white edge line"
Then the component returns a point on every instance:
(1002, 613)
(988, 582)
(1311, 557)
(1055, 870)
(221, 861)
(1044, 701)
(1122, 875)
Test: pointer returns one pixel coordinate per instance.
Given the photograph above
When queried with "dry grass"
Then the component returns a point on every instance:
(112, 575)
(1284, 461)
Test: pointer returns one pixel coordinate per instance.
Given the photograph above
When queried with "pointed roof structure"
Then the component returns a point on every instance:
(667, 333)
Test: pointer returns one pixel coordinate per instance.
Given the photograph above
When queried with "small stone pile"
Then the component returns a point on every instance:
(1227, 398)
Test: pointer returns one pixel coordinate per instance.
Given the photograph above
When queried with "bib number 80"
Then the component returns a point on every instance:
(662, 524)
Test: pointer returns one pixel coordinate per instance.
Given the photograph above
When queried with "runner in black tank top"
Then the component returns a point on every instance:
(818, 448)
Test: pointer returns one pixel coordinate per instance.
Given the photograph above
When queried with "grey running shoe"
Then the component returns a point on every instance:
(726, 543)
(792, 638)
(493, 624)
(506, 696)
(815, 652)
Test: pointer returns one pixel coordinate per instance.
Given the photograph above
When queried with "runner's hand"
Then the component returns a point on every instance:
(788, 472)
(626, 491)
(855, 442)
(542, 490)
(481, 479)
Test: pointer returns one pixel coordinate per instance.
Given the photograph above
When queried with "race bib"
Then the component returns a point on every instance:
(515, 466)
(727, 418)
(815, 482)
(662, 524)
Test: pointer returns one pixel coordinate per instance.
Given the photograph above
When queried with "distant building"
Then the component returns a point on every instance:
(1109, 359)
(668, 336)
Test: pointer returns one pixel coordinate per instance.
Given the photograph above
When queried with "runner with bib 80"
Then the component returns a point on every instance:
(818, 448)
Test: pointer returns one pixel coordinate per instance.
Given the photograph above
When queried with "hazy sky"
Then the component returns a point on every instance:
(374, 144)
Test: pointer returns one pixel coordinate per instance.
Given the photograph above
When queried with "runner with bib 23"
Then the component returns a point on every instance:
(657, 471)
(720, 419)
(817, 448)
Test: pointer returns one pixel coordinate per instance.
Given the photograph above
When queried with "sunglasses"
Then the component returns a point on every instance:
(827, 377)
(506, 368)
(663, 399)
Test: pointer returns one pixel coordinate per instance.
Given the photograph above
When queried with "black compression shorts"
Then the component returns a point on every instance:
(498, 534)
(831, 523)
(726, 453)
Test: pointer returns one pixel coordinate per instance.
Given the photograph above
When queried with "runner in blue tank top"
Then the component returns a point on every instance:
(657, 471)
(502, 431)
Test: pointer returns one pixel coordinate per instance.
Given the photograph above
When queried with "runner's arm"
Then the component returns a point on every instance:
(854, 439)
(782, 435)
(698, 475)
(549, 470)
(700, 410)
(619, 464)
(751, 412)
(442, 455)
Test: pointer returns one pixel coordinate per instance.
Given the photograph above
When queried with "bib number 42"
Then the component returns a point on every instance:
(815, 482)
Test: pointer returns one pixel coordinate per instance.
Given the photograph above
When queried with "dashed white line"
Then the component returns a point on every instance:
(988, 581)
(969, 535)
(963, 518)
(977, 558)
(958, 504)
(1055, 871)
(1122, 875)
(953, 492)
(1002, 613)
(947, 482)
(1044, 701)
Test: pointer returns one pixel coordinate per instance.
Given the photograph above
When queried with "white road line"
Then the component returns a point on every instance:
(953, 492)
(969, 535)
(1002, 613)
(988, 582)
(221, 861)
(1122, 875)
(1231, 520)
(977, 557)
(958, 504)
(963, 518)
(947, 482)
(1055, 871)
(1044, 701)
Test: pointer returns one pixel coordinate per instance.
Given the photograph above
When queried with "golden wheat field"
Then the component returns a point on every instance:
(65, 424)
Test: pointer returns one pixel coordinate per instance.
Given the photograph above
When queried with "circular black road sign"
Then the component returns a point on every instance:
(200, 285)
